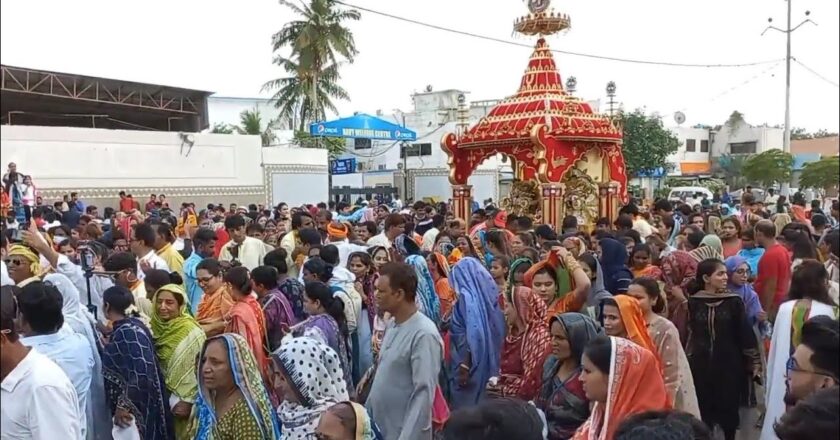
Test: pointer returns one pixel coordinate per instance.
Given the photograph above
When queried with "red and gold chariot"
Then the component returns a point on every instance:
(563, 154)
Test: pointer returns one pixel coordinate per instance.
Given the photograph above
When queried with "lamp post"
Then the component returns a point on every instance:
(571, 85)
(611, 95)
(787, 32)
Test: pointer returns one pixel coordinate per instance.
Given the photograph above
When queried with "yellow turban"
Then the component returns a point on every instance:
(26, 252)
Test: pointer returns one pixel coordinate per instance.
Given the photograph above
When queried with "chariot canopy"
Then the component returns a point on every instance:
(555, 141)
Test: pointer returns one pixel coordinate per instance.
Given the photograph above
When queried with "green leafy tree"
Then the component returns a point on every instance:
(729, 167)
(222, 128)
(735, 119)
(319, 40)
(647, 144)
(768, 168)
(823, 174)
(334, 146)
(797, 133)
(251, 123)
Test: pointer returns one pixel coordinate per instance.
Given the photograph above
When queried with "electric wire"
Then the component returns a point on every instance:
(815, 73)
(565, 52)
(735, 87)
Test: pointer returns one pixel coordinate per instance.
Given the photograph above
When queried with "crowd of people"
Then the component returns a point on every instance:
(368, 322)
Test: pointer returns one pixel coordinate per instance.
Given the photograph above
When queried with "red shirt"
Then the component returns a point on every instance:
(126, 205)
(222, 238)
(775, 263)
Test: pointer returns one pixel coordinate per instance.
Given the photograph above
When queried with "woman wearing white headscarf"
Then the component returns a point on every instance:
(307, 374)
(77, 320)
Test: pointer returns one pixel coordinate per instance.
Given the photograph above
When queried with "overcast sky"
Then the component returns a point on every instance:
(224, 47)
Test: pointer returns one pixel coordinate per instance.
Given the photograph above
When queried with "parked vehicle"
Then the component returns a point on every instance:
(682, 193)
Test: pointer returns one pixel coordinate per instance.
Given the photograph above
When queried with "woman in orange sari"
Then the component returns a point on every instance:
(622, 379)
(559, 281)
(622, 317)
(439, 267)
(216, 301)
(245, 316)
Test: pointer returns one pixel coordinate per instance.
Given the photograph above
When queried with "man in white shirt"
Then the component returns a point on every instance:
(5, 279)
(142, 245)
(337, 236)
(37, 400)
(394, 227)
(241, 248)
(431, 235)
(42, 322)
(771, 198)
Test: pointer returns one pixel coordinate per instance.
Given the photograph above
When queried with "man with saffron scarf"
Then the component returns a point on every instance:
(337, 233)
(477, 332)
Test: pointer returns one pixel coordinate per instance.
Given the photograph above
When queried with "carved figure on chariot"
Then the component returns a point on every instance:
(567, 158)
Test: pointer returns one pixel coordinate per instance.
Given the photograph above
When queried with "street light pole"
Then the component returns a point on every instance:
(788, 31)
(405, 164)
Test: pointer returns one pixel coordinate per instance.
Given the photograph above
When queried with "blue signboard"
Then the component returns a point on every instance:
(362, 126)
(343, 166)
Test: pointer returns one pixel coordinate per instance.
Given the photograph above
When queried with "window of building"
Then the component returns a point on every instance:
(704, 146)
(415, 150)
(742, 148)
(362, 144)
(690, 145)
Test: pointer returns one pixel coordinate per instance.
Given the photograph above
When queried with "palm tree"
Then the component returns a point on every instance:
(320, 41)
(294, 94)
(250, 122)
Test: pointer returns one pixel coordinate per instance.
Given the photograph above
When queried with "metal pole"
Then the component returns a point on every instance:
(405, 166)
(786, 139)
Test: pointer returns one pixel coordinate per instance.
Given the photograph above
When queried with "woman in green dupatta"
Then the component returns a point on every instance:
(516, 275)
(178, 342)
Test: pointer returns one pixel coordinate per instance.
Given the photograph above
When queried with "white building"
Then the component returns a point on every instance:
(434, 114)
(740, 137)
(693, 156)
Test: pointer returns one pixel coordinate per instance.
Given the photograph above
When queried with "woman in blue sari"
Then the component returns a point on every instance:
(477, 332)
(232, 402)
(426, 298)
(134, 382)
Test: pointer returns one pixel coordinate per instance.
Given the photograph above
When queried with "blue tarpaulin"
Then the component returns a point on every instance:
(362, 126)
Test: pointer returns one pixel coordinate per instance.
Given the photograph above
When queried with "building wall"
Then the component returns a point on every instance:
(434, 115)
(827, 146)
(100, 163)
(682, 154)
(766, 138)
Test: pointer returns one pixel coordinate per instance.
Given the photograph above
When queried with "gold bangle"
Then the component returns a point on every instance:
(571, 263)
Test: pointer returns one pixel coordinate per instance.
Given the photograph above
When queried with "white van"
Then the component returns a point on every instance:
(682, 193)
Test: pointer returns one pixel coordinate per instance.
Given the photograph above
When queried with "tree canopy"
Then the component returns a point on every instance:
(250, 122)
(320, 43)
(335, 146)
(823, 174)
(728, 166)
(647, 143)
(768, 168)
(797, 133)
